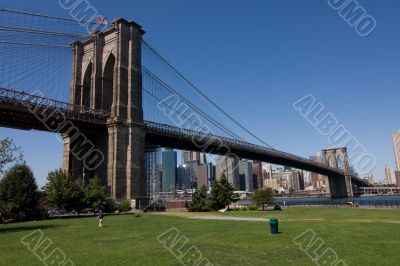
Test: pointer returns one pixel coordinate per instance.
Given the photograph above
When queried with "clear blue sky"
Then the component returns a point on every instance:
(255, 58)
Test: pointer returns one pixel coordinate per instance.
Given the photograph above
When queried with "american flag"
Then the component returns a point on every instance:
(101, 20)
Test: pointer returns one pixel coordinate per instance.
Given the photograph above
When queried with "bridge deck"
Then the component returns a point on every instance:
(26, 111)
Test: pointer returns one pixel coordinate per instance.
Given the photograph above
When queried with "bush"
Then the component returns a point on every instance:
(244, 209)
(199, 201)
(236, 209)
(109, 205)
(124, 206)
(277, 208)
(253, 208)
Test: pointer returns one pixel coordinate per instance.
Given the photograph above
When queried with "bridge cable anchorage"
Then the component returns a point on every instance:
(171, 90)
(204, 95)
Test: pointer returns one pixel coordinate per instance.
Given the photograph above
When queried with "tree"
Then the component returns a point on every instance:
(199, 201)
(124, 206)
(6, 209)
(222, 194)
(62, 191)
(75, 197)
(263, 197)
(9, 153)
(95, 194)
(18, 190)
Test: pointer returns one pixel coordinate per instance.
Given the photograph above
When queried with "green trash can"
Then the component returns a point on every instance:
(274, 225)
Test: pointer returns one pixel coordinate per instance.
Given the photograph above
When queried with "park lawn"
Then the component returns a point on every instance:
(333, 214)
(358, 236)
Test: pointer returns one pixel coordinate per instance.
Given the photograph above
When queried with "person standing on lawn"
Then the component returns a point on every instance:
(100, 217)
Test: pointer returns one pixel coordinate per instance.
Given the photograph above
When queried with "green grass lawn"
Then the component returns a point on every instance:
(358, 236)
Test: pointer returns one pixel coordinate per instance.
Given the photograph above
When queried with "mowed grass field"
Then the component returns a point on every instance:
(358, 236)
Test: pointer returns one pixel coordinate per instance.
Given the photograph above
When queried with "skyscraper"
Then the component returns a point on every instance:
(182, 177)
(258, 174)
(389, 175)
(246, 176)
(211, 173)
(198, 156)
(153, 172)
(202, 175)
(230, 167)
(397, 174)
(396, 144)
(185, 156)
(297, 180)
(169, 161)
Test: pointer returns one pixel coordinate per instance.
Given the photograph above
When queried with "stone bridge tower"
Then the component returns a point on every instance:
(340, 186)
(106, 75)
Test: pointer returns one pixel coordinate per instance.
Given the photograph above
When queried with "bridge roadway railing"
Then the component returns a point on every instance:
(14, 97)
(179, 132)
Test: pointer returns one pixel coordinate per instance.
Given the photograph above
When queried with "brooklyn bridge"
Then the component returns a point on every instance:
(119, 106)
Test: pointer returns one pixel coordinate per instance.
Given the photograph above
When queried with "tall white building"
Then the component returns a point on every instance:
(396, 144)
(389, 175)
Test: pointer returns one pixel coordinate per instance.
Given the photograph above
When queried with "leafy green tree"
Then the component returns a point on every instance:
(62, 191)
(199, 201)
(9, 153)
(124, 206)
(222, 194)
(6, 209)
(96, 195)
(109, 205)
(263, 197)
(18, 190)
(75, 197)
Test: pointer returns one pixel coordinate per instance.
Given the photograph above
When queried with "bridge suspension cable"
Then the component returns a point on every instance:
(35, 44)
(12, 11)
(42, 32)
(195, 108)
(194, 87)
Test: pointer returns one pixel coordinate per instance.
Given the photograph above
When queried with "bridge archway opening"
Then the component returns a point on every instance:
(340, 162)
(86, 86)
(108, 84)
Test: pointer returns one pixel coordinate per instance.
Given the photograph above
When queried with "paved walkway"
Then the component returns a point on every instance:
(223, 218)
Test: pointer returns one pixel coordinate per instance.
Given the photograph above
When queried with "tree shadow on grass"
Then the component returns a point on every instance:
(12, 228)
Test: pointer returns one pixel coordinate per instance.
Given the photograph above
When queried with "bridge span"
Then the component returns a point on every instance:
(26, 111)
(105, 117)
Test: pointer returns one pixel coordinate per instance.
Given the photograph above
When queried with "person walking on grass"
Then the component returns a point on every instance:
(100, 217)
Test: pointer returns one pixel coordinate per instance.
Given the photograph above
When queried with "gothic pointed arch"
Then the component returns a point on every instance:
(108, 84)
(86, 86)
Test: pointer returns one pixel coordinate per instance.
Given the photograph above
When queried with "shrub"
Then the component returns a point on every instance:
(253, 208)
(199, 201)
(124, 206)
(244, 209)
(277, 208)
